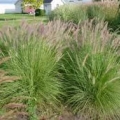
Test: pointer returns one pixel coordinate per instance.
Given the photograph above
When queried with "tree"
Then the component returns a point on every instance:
(36, 3)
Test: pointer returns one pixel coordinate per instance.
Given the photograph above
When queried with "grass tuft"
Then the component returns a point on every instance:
(91, 73)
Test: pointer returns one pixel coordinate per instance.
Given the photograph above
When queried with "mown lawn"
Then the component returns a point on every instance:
(15, 19)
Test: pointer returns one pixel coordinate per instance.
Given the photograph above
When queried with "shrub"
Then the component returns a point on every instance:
(90, 68)
(37, 12)
(42, 12)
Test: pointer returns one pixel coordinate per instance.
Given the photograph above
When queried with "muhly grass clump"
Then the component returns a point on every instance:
(91, 71)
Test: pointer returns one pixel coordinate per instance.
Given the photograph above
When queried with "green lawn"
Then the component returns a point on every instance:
(14, 19)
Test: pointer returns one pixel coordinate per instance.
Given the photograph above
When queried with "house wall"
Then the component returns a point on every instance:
(56, 3)
(18, 8)
(7, 8)
(48, 7)
(10, 8)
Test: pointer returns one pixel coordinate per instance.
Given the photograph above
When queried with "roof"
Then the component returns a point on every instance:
(47, 1)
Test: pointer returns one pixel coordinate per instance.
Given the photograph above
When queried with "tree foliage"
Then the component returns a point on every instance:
(36, 3)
